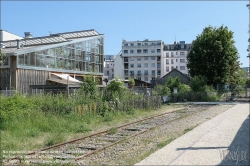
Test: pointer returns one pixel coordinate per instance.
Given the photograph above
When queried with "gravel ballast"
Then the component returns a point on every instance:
(135, 149)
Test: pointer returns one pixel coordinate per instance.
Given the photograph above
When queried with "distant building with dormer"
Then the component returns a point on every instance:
(175, 57)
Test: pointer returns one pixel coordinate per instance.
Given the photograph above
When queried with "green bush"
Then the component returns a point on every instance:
(115, 90)
(161, 90)
(198, 83)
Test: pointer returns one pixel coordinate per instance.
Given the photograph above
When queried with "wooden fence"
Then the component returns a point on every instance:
(144, 102)
(8, 92)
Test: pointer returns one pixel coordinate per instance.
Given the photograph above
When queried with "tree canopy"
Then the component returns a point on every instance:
(214, 56)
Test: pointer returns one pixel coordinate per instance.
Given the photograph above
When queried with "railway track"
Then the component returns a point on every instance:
(77, 149)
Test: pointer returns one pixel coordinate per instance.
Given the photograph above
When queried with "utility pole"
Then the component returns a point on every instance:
(248, 48)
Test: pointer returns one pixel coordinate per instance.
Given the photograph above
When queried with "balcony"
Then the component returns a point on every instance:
(158, 59)
(125, 59)
(138, 74)
(132, 74)
(125, 66)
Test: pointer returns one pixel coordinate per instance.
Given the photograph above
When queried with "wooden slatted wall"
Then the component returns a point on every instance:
(27, 77)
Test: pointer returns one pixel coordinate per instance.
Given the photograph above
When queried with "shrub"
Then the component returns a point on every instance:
(198, 83)
(115, 90)
(184, 88)
(162, 90)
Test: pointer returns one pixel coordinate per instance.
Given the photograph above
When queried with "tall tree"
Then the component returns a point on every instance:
(214, 56)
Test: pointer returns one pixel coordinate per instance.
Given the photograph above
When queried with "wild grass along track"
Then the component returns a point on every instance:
(77, 149)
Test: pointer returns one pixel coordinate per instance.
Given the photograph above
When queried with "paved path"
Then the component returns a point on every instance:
(223, 140)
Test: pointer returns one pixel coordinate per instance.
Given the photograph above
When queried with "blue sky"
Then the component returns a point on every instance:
(160, 20)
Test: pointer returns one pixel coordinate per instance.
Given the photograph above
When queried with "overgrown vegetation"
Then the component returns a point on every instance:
(197, 91)
(48, 119)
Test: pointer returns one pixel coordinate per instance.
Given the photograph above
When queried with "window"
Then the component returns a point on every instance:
(145, 78)
(158, 50)
(152, 50)
(172, 67)
(172, 61)
(131, 44)
(167, 61)
(176, 53)
(125, 59)
(182, 53)
(152, 64)
(145, 64)
(145, 58)
(145, 51)
(182, 60)
(158, 65)
(138, 65)
(125, 51)
(125, 44)
(176, 67)
(138, 58)
(139, 72)
(131, 65)
(138, 51)
(146, 44)
(153, 78)
(27, 59)
(153, 72)
(107, 65)
(112, 70)
(131, 59)
(21, 59)
(167, 69)
(167, 54)
(138, 44)
(131, 51)
(172, 54)
(176, 60)
(182, 67)
(131, 72)
(107, 72)
(153, 58)
(146, 72)
(138, 78)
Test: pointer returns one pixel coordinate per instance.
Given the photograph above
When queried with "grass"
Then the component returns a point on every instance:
(113, 130)
(182, 110)
(189, 129)
(142, 156)
(25, 125)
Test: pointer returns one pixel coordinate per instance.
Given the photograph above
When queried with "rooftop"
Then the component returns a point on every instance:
(53, 38)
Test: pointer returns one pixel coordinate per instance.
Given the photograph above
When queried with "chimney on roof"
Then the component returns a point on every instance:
(17, 43)
(28, 35)
(175, 42)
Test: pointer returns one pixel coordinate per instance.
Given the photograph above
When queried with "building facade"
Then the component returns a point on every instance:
(142, 59)
(32, 61)
(109, 66)
(175, 57)
(150, 60)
